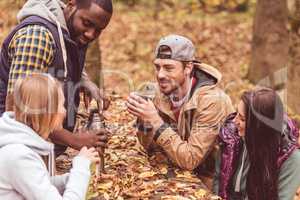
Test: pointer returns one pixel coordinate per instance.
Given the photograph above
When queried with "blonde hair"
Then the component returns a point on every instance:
(36, 103)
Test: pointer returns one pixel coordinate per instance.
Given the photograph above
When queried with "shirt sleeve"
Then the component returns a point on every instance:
(60, 182)
(31, 50)
(30, 178)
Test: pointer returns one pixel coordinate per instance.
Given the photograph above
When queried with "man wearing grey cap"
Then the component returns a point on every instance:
(184, 118)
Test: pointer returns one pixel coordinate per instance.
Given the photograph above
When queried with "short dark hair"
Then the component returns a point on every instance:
(104, 4)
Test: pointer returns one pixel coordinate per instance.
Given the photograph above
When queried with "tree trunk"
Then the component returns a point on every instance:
(293, 88)
(294, 14)
(93, 63)
(270, 44)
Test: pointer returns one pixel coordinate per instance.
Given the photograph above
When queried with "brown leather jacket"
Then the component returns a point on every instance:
(188, 142)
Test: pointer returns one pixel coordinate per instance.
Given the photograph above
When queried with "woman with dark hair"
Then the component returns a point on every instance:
(259, 156)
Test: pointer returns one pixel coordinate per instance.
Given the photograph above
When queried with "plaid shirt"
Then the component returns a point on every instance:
(31, 50)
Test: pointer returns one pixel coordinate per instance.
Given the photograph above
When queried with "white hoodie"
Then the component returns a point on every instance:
(23, 173)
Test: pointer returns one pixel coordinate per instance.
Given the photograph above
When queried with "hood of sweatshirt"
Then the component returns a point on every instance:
(51, 10)
(14, 132)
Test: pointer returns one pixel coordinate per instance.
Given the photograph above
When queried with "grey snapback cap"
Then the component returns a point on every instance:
(182, 49)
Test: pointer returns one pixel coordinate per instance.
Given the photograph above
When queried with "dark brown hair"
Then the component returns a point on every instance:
(264, 124)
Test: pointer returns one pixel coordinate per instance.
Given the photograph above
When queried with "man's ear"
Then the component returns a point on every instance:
(189, 68)
(70, 8)
(71, 4)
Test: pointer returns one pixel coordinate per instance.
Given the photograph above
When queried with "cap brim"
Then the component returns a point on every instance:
(197, 61)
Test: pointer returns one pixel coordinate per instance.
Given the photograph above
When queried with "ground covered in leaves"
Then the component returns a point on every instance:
(129, 172)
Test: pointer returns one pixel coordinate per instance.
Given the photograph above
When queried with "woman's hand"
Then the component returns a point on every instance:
(90, 154)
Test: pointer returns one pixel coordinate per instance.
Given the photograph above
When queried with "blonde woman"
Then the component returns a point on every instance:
(38, 110)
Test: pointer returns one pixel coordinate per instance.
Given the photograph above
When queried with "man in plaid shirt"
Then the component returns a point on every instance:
(52, 37)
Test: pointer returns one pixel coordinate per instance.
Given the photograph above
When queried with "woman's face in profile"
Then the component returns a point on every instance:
(240, 119)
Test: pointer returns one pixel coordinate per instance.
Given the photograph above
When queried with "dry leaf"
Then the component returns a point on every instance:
(201, 193)
(147, 174)
(106, 196)
(105, 186)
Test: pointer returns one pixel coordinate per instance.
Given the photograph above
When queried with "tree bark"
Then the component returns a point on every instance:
(293, 88)
(94, 64)
(270, 44)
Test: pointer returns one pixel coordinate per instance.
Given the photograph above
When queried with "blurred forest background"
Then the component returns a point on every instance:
(248, 47)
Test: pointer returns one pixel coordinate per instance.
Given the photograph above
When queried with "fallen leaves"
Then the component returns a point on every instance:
(145, 175)
(201, 193)
(130, 173)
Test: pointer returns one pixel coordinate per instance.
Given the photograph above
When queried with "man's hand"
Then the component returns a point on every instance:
(91, 90)
(144, 110)
(91, 139)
